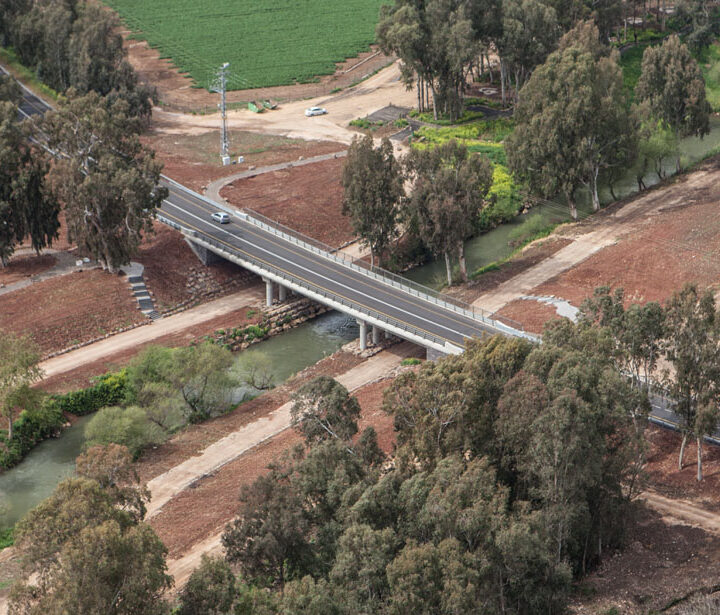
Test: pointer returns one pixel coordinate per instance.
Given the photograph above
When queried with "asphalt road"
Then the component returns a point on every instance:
(192, 211)
(321, 273)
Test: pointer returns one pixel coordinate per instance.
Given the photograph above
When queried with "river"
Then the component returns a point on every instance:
(35, 478)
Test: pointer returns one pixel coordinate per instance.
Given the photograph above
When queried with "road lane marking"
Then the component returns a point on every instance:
(289, 273)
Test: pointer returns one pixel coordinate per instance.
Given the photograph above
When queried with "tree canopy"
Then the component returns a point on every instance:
(107, 180)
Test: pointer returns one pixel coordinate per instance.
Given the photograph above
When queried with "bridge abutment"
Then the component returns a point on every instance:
(433, 355)
(205, 256)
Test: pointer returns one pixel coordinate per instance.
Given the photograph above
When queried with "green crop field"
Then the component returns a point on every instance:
(267, 42)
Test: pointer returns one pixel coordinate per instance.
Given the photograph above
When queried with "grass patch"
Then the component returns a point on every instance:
(631, 64)
(443, 120)
(267, 43)
(411, 361)
(7, 537)
(539, 233)
(24, 74)
(365, 124)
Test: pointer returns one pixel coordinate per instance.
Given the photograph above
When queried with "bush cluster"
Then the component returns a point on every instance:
(108, 390)
(37, 424)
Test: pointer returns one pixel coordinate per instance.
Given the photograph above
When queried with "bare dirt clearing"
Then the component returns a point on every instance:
(651, 245)
(662, 562)
(380, 90)
(307, 199)
(194, 160)
(63, 311)
(23, 266)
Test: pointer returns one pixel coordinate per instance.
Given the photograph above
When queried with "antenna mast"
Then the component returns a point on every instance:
(221, 86)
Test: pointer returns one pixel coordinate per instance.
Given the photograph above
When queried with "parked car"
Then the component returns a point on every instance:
(221, 217)
(315, 111)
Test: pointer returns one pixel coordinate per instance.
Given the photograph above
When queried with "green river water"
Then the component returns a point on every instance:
(36, 477)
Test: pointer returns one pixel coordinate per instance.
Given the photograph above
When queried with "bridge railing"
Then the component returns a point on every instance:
(266, 267)
(392, 279)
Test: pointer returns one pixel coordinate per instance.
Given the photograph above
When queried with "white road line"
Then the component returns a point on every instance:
(296, 265)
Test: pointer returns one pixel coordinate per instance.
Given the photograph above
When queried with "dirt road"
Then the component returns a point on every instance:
(682, 512)
(252, 296)
(166, 485)
(289, 119)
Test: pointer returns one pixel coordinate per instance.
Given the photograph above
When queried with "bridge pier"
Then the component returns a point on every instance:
(269, 292)
(282, 293)
(375, 335)
(363, 334)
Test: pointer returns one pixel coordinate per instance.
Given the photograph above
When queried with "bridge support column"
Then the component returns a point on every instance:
(375, 335)
(269, 292)
(282, 293)
(388, 335)
(363, 334)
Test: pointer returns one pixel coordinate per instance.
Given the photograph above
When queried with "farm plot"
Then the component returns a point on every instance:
(267, 42)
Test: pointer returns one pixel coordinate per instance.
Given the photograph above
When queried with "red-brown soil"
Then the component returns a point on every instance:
(307, 199)
(24, 266)
(665, 478)
(183, 521)
(679, 244)
(532, 315)
(176, 91)
(80, 377)
(81, 306)
(194, 160)
(661, 562)
(70, 309)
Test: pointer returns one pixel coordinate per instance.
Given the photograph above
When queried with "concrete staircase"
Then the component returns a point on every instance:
(146, 305)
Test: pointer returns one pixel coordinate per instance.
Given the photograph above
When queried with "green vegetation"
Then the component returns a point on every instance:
(7, 537)
(9, 59)
(411, 361)
(534, 227)
(631, 64)
(43, 417)
(446, 120)
(523, 238)
(709, 60)
(266, 43)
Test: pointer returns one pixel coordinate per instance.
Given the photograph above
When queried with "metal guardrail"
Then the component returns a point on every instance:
(377, 273)
(299, 282)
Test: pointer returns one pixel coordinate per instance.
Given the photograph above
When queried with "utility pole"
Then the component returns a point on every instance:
(221, 86)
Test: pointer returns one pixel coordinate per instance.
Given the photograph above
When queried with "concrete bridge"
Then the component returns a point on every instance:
(380, 301)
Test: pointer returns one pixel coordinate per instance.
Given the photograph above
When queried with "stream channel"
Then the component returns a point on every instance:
(26, 485)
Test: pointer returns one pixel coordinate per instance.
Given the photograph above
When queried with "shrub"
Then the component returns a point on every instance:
(32, 426)
(7, 538)
(505, 200)
(130, 427)
(108, 390)
(411, 361)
